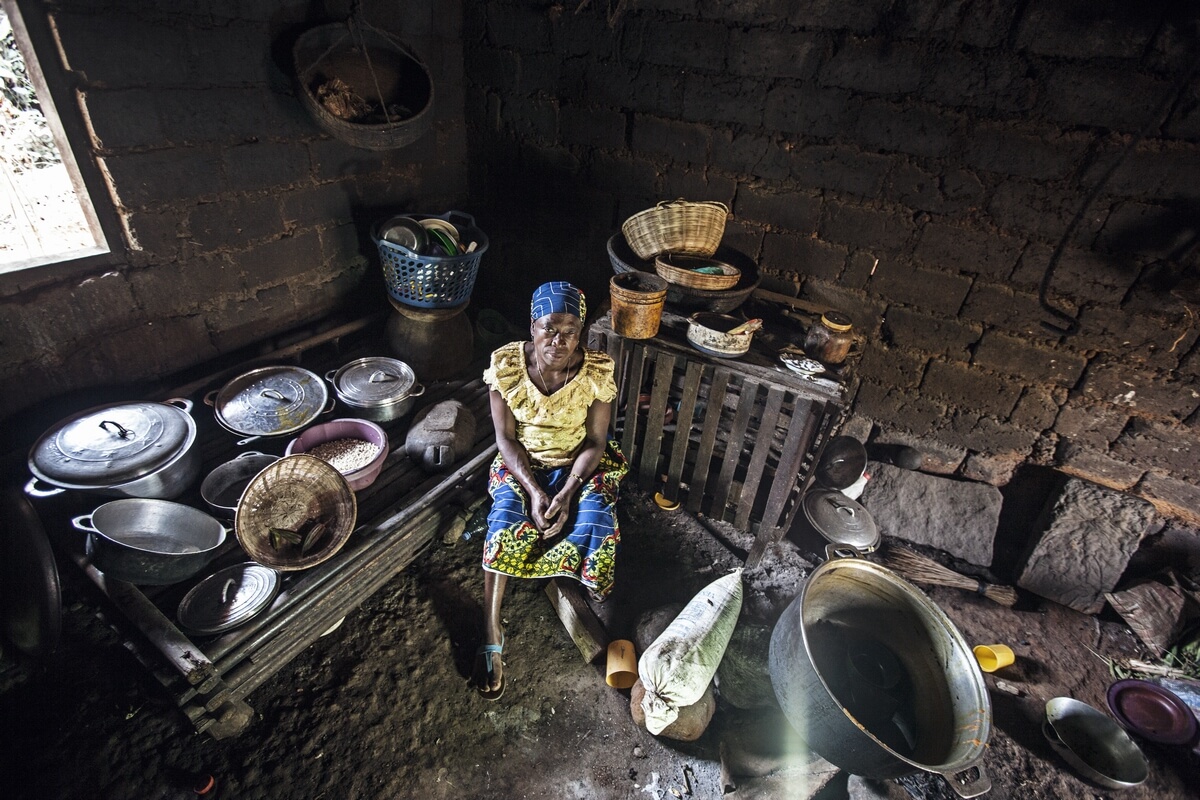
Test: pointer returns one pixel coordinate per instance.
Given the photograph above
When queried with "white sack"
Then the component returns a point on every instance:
(677, 668)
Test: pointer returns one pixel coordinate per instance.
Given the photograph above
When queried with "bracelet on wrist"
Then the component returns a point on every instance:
(576, 477)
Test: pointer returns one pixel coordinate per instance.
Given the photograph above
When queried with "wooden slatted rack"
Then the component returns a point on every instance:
(733, 439)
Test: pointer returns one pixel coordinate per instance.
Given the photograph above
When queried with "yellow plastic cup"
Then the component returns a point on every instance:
(621, 668)
(992, 657)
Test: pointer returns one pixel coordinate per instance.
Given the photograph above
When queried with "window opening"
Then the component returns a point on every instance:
(46, 215)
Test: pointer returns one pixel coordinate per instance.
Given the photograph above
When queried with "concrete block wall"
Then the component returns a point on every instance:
(915, 164)
(242, 218)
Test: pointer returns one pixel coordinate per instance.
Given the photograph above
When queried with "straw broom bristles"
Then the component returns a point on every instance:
(922, 569)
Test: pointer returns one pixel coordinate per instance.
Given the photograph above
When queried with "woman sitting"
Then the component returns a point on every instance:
(555, 471)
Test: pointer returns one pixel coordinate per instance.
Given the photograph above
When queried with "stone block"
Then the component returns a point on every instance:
(255, 167)
(1037, 409)
(742, 153)
(682, 44)
(1002, 307)
(803, 256)
(326, 204)
(1096, 466)
(967, 387)
(833, 15)
(1082, 542)
(953, 248)
(1150, 339)
(1058, 29)
(1041, 211)
(951, 191)
(865, 312)
(859, 268)
(792, 211)
(756, 52)
(916, 330)
(118, 50)
(865, 227)
(958, 517)
(839, 169)
(974, 431)
(498, 69)
(1172, 497)
(1144, 392)
(879, 66)
(518, 28)
(163, 176)
(723, 99)
(893, 407)
(1092, 425)
(1000, 83)
(995, 470)
(686, 141)
(1017, 356)
(906, 128)
(932, 290)
(1045, 155)
(810, 110)
(235, 222)
(698, 183)
(938, 458)
(592, 127)
(888, 366)
(1121, 100)
(1170, 447)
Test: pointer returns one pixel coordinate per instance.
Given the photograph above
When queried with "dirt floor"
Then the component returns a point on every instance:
(381, 706)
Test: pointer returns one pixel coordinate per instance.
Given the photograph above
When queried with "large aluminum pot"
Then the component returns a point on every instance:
(376, 388)
(876, 678)
(131, 449)
(148, 541)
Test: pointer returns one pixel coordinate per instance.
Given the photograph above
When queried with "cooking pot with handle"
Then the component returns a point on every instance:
(876, 678)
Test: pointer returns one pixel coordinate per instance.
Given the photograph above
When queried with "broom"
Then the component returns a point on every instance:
(922, 569)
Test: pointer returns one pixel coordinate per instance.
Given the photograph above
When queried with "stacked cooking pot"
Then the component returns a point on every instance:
(145, 454)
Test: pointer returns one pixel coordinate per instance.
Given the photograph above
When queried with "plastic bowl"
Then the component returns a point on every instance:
(361, 477)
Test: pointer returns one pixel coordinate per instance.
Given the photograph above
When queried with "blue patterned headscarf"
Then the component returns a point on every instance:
(558, 297)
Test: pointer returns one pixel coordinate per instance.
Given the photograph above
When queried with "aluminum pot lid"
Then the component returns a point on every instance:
(841, 520)
(271, 401)
(228, 598)
(374, 381)
(111, 445)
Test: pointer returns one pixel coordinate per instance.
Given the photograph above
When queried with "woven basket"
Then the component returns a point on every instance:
(677, 226)
(684, 271)
(293, 491)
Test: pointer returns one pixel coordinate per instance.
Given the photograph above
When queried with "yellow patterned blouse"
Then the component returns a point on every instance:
(551, 427)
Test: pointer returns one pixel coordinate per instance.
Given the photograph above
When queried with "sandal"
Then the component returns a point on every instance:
(490, 652)
(596, 596)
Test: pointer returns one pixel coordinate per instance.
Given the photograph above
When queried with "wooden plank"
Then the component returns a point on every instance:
(747, 400)
(683, 427)
(664, 370)
(582, 624)
(794, 447)
(708, 437)
(619, 353)
(758, 457)
(632, 389)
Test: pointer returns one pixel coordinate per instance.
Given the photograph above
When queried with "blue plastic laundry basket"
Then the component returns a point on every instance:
(432, 281)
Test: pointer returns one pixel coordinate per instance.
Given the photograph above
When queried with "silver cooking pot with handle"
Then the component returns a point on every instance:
(876, 678)
(270, 401)
(131, 449)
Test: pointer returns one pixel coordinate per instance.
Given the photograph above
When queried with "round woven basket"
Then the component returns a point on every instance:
(697, 272)
(354, 67)
(292, 494)
(684, 297)
(677, 226)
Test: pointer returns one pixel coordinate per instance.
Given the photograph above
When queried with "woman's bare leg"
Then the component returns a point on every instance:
(493, 632)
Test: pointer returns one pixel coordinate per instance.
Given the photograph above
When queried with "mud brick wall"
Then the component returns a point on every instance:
(241, 218)
(915, 164)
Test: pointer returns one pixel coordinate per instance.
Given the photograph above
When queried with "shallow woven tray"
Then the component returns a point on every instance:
(294, 489)
(686, 271)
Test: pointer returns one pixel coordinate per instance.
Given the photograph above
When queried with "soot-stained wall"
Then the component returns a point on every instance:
(915, 163)
(241, 218)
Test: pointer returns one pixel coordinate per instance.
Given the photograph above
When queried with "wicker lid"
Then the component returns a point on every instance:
(228, 598)
(841, 520)
(294, 494)
(374, 381)
(112, 444)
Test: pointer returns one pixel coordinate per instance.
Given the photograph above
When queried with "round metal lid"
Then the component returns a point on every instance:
(112, 444)
(374, 381)
(228, 598)
(841, 520)
(271, 401)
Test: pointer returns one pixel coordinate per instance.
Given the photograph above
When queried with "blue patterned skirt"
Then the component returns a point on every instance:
(587, 548)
